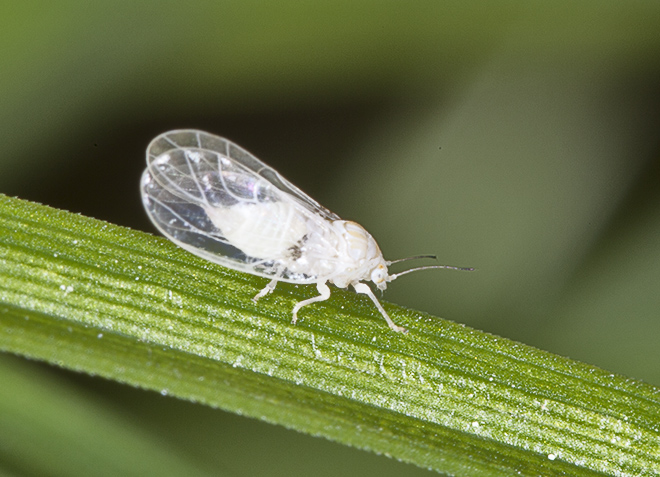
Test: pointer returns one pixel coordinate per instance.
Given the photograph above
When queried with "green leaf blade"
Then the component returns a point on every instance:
(108, 301)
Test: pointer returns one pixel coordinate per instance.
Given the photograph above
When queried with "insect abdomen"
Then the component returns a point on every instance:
(266, 230)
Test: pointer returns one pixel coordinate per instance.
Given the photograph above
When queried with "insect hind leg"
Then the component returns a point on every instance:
(364, 289)
(266, 290)
(324, 294)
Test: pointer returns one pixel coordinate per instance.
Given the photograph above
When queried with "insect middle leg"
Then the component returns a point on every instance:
(324, 291)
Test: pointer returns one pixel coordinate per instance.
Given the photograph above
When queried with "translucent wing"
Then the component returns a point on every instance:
(218, 201)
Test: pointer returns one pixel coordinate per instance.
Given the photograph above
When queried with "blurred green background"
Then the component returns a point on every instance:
(520, 138)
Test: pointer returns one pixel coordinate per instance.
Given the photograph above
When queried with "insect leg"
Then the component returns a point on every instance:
(266, 290)
(364, 289)
(324, 291)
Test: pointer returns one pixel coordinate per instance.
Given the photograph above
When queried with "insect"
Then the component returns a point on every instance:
(216, 200)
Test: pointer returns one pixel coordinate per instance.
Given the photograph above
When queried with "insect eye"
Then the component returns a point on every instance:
(379, 274)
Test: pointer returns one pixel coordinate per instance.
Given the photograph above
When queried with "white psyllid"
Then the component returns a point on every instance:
(218, 201)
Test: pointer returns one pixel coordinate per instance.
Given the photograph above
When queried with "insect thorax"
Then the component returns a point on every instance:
(339, 251)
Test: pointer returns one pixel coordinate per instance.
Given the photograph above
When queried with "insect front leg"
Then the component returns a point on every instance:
(324, 291)
(266, 290)
(365, 290)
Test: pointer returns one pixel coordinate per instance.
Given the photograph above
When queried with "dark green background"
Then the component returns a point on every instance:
(520, 138)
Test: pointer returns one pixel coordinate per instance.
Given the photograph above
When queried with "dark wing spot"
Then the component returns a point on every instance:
(295, 252)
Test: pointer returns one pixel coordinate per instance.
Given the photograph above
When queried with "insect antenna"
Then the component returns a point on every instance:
(416, 257)
(450, 267)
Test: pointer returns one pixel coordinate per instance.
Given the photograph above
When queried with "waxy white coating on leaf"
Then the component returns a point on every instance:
(218, 201)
